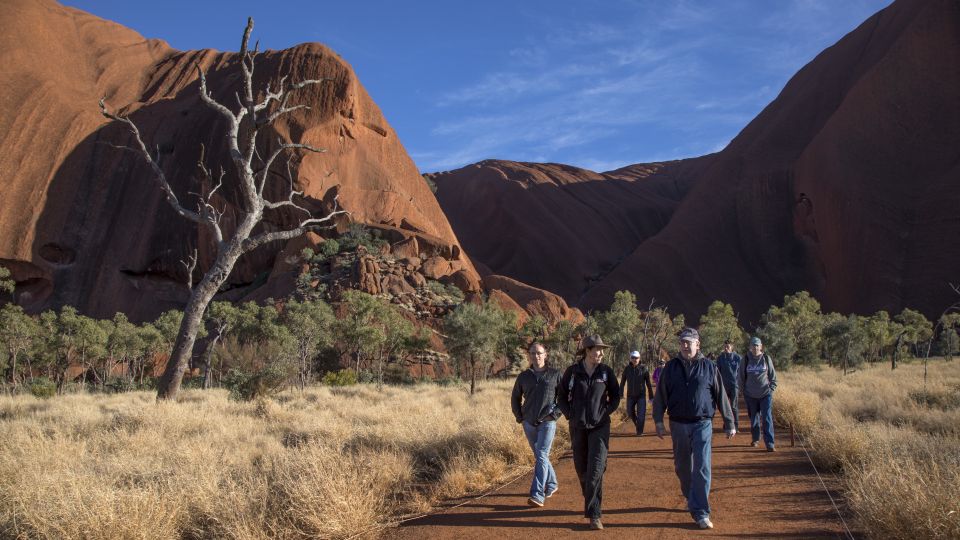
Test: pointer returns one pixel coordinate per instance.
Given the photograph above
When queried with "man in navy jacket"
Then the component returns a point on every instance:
(690, 390)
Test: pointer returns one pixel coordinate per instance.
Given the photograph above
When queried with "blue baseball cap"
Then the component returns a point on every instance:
(755, 341)
(635, 354)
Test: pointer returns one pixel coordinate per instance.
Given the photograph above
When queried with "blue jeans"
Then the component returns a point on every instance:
(544, 477)
(637, 411)
(757, 407)
(692, 446)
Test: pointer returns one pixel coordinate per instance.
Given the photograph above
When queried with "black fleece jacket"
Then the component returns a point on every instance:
(588, 400)
(534, 396)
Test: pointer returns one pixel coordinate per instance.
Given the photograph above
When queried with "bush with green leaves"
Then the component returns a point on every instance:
(265, 382)
(42, 387)
(343, 377)
(359, 235)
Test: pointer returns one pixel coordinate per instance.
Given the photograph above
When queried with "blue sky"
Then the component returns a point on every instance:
(594, 83)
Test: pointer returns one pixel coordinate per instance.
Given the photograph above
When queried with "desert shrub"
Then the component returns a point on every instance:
(359, 235)
(894, 438)
(943, 398)
(329, 248)
(116, 385)
(798, 408)
(42, 387)
(246, 386)
(343, 377)
(447, 290)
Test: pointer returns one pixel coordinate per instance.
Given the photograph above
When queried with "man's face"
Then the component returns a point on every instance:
(756, 349)
(689, 348)
(537, 356)
(728, 348)
(634, 360)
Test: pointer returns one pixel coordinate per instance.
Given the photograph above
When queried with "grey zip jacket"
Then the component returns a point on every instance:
(534, 397)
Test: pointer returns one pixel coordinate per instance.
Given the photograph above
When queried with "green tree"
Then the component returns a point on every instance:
(561, 344)
(7, 284)
(474, 333)
(917, 329)
(718, 325)
(397, 335)
(18, 332)
(661, 333)
(880, 335)
(778, 342)
(619, 326)
(310, 325)
(359, 334)
(801, 318)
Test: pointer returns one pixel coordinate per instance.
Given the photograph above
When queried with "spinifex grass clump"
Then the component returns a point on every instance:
(325, 463)
(895, 441)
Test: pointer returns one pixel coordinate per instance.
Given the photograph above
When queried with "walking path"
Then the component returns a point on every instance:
(755, 494)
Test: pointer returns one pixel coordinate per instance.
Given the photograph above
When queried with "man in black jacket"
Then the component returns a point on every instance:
(589, 393)
(634, 383)
(534, 403)
(691, 390)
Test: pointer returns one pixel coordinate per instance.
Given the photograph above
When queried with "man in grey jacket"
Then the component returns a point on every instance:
(758, 380)
(534, 403)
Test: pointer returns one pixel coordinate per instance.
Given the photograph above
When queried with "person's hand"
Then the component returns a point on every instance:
(731, 432)
(661, 431)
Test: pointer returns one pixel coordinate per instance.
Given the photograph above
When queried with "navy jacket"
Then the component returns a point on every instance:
(690, 394)
(588, 400)
(729, 364)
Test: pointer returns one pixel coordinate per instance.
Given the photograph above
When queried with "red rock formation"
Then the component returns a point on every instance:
(84, 223)
(555, 226)
(533, 300)
(846, 185)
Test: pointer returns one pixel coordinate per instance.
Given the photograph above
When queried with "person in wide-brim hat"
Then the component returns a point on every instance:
(589, 393)
(590, 342)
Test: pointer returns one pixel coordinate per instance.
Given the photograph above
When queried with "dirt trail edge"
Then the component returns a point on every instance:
(754, 494)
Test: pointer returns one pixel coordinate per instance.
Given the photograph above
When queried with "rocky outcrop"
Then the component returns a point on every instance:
(845, 186)
(532, 300)
(83, 222)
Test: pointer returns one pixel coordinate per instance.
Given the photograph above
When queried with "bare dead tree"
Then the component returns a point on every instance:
(251, 175)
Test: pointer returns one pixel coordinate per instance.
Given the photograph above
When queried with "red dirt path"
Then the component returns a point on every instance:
(754, 494)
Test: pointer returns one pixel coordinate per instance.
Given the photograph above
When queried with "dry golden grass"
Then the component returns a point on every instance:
(326, 463)
(895, 441)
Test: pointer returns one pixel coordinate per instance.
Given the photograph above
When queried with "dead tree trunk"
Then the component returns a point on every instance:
(252, 174)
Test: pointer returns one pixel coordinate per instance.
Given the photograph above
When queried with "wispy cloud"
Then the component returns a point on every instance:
(668, 80)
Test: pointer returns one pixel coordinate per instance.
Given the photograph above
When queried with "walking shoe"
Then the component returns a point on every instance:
(705, 523)
(550, 494)
(755, 444)
(771, 449)
(595, 524)
(533, 502)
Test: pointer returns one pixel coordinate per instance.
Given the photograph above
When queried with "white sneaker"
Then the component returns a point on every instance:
(705, 523)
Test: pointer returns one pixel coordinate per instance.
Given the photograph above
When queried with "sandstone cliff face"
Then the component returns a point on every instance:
(847, 185)
(555, 226)
(84, 222)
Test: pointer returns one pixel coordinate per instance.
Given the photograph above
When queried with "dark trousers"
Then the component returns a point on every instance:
(734, 398)
(590, 459)
(637, 411)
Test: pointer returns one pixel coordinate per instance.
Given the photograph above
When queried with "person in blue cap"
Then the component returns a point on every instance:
(758, 380)
(634, 383)
(690, 391)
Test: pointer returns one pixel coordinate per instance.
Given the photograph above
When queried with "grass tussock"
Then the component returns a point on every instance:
(325, 463)
(895, 440)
